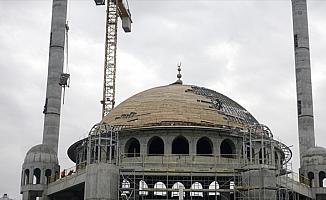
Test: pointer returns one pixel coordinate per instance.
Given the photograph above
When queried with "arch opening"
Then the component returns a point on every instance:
(132, 148)
(180, 145)
(311, 177)
(37, 176)
(179, 186)
(227, 149)
(125, 186)
(196, 186)
(162, 186)
(143, 185)
(155, 146)
(47, 174)
(204, 146)
(56, 175)
(26, 177)
(322, 176)
(214, 186)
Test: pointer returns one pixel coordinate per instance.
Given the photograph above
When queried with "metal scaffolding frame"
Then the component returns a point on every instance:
(232, 184)
(102, 144)
(218, 177)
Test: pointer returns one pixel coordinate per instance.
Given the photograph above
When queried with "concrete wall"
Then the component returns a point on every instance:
(102, 182)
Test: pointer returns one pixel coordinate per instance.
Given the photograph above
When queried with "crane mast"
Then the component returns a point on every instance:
(110, 58)
(115, 8)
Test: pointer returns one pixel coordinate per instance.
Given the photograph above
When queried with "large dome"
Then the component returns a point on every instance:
(179, 105)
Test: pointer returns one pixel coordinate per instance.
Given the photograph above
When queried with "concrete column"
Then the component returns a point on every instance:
(217, 144)
(42, 176)
(25, 196)
(31, 175)
(143, 145)
(102, 182)
(192, 145)
(55, 68)
(263, 182)
(22, 179)
(316, 178)
(168, 144)
(303, 76)
(122, 146)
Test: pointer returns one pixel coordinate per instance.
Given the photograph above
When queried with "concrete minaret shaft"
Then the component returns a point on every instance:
(303, 76)
(56, 60)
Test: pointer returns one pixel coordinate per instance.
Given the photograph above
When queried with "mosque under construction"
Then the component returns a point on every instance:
(176, 141)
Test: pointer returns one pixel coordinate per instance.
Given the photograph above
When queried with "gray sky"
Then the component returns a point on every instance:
(241, 48)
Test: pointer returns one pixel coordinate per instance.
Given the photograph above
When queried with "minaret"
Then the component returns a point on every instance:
(303, 76)
(55, 69)
(41, 161)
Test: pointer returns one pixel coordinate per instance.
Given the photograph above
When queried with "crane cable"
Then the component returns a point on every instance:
(66, 49)
(67, 41)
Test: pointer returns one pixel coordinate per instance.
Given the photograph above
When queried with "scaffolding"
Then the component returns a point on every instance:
(102, 144)
(140, 184)
(209, 177)
(261, 171)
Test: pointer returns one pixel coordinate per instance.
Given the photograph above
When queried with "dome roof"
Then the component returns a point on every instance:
(179, 105)
(41, 153)
(315, 151)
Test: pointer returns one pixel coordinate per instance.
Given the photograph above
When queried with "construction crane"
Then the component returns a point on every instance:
(115, 9)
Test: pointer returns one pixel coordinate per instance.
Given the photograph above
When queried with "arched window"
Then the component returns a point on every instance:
(155, 146)
(204, 146)
(227, 149)
(180, 145)
(196, 186)
(37, 176)
(48, 175)
(178, 186)
(160, 185)
(125, 186)
(143, 185)
(214, 186)
(311, 177)
(132, 148)
(322, 176)
(26, 177)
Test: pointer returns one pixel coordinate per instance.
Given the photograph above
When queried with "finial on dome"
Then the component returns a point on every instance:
(179, 76)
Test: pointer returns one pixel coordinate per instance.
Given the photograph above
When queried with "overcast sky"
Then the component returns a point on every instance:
(241, 48)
